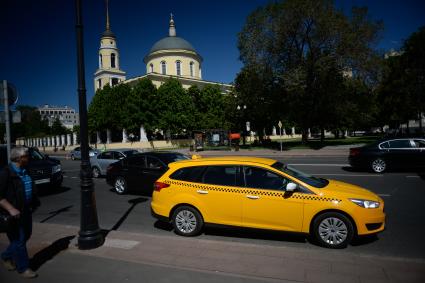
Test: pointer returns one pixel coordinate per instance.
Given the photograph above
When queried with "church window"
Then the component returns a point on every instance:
(113, 60)
(163, 68)
(99, 83)
(100, 61)
(191, 69)
(178, 68)
(114, 81)
(151, 68)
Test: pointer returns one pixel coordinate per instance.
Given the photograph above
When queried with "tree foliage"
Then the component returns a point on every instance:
(295, 56)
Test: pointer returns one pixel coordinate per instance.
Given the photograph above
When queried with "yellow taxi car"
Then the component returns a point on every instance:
(264, 193)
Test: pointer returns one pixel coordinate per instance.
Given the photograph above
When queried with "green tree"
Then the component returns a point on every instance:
(175, 108)
(58, 129)
(141, 106)
(304, 47)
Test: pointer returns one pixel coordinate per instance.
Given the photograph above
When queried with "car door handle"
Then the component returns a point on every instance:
(252, 197)
(202, 192)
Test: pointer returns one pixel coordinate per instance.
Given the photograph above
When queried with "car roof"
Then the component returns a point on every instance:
(121, 149)
(226, 159)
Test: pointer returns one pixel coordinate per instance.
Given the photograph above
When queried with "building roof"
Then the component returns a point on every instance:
(172, 42)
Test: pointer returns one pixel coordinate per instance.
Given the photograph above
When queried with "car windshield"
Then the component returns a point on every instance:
(35, 155)
(172, 157)
(308, 179)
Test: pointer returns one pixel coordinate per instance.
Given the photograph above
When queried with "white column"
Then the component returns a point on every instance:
(49, 142)
(274, 131)
(283, 131)
(58, 141)
(143, 137)
(63, 140)
(74, 137)
(98, 141)
(124, 136)
(69, 140)
(293, 131)
(308, 133)
(108, 136)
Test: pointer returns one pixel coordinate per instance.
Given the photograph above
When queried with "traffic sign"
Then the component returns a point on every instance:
(12, 94)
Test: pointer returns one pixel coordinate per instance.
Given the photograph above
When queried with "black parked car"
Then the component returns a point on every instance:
(390, 153)
(138, 172)
(43, 169)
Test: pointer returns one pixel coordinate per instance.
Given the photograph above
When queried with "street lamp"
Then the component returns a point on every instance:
(90, 235)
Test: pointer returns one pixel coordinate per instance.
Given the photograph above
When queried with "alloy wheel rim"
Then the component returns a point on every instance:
(333, 231)
(186, 221)
(378, 165)
(119, 185)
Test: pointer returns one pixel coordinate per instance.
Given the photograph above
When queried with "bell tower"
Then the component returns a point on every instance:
(109, 71)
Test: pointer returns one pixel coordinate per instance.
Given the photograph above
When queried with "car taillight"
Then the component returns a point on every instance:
(354, 151)
(158, 186)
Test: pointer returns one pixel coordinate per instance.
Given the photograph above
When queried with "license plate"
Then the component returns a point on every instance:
(42, 181)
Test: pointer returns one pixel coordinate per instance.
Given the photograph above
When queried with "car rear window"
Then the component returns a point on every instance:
(188, 174)
(173, 157)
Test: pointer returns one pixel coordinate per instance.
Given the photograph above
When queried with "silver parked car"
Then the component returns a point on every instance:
(76, 153)
(101, 161)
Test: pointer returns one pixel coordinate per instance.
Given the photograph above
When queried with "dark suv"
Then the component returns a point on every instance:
(43, 169)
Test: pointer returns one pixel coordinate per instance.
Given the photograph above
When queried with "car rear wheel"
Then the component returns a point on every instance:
(378, 165)
(96, 172)
(187, 221)
(333, 230)
(120, 186)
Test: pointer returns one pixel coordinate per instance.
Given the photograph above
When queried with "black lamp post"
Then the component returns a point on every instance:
(90, 235)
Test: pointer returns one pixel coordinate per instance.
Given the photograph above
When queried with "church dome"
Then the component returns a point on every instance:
(172, 42)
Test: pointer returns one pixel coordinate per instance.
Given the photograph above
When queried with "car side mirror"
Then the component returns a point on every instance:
(290, 187)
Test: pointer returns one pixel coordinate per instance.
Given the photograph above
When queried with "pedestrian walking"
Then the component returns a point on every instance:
(18, 197)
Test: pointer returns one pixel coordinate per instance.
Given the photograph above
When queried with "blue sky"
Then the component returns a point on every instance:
(38, 55)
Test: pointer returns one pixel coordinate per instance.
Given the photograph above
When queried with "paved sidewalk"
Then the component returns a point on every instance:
(202, 258)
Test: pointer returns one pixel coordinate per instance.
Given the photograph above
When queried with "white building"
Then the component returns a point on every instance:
(66, 115)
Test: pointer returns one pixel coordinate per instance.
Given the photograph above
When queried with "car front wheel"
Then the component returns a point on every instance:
(333, 230)
(120, 186)
(187, 221)
(378, 165)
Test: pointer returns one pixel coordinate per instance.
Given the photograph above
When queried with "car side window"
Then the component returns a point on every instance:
(221, 175)
(400, 144)
(419, 143)
(384, 145)
(154, 163)
(259, 178)
(106, 155)
(139, 161)
(189, 174)
(117, 155)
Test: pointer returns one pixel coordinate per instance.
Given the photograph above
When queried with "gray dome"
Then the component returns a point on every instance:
(172, 42)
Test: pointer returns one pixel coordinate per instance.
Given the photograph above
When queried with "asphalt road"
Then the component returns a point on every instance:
(403, 193)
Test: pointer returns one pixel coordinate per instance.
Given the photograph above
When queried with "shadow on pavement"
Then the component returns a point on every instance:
(49, 252)
(117, 225)
(48, 190)
(56, 212)
(162, 225)
(364, 240)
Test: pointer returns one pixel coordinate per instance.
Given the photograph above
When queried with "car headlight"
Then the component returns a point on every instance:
(365, 203)
(56, 169)
(91, 153)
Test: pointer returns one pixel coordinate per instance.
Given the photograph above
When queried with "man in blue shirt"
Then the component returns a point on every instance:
(17, 197)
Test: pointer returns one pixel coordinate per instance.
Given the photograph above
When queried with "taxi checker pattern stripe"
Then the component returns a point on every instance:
(250, 191)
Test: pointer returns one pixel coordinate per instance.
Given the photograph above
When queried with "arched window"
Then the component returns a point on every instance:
(99, 83)
(178, 68)
(113, 60)
(100, 61)
(151, 68)
(191, 68)
(163, 68)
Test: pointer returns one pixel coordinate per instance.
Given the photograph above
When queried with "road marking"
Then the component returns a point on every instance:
(350, 175)
(318, 164)
(384, 195)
